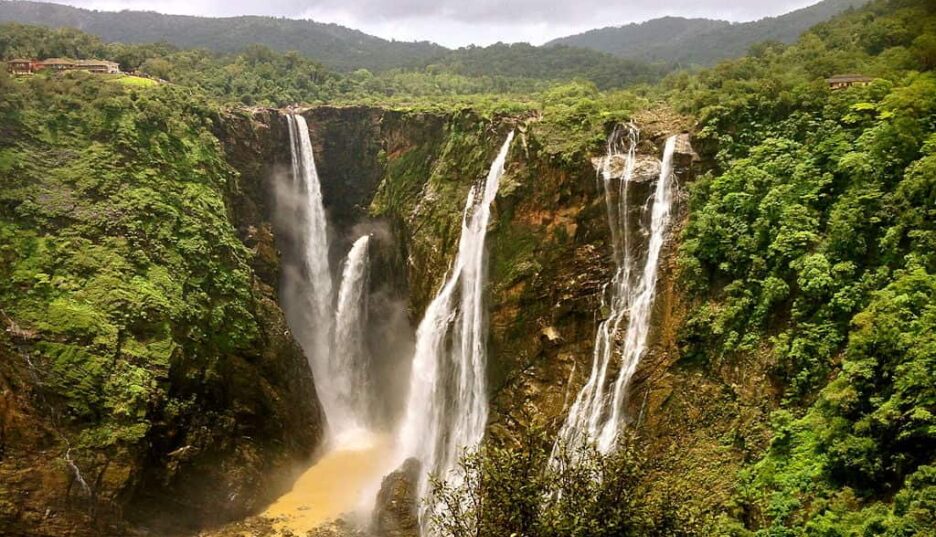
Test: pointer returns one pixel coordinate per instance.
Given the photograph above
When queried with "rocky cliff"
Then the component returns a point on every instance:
(549, 241)
(147, 375)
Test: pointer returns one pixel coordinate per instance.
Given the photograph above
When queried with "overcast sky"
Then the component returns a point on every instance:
(461, 22)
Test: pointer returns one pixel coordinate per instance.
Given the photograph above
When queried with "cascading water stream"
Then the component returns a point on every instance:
(314, 256)
(596, 415)
(446, 409)
(332, 332)
(348, 367)
(336, 349)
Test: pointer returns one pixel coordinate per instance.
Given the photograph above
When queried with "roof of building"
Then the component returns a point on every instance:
(58, 61)
(96, 62)
(849, 78)
(19, 60)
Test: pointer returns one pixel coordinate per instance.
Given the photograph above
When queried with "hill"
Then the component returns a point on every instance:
(336, 47)
(702, 41)
(609, 57)
(522, 60)
(333, 45)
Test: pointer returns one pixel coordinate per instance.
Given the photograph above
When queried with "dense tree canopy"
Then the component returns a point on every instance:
(815, 235)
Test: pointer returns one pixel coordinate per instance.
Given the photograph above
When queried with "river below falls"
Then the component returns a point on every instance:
(343, 481)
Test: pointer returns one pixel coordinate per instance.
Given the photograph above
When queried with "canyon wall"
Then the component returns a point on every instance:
(147, 375)
(403, 176)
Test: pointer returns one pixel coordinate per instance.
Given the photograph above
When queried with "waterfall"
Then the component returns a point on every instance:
(446, 409)
(596, 415)
(348, 367)
(314, 251)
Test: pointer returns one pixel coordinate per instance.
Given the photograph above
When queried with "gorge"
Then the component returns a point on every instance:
(443, 410)
(429, 303)
(362, 239)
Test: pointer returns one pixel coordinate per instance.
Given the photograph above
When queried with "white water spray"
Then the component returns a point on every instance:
(348, 368)
(315, 260)
(446, 409)
(596, 415)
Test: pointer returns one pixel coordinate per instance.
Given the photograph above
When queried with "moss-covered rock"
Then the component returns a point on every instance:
(148, 368)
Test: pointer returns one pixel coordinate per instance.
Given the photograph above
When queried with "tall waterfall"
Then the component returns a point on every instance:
(348, 367)
(446, 409)
(596, 415)
(314, 251)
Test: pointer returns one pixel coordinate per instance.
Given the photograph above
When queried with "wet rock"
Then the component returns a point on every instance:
(395, 514)
(551, 335)
(684, 155)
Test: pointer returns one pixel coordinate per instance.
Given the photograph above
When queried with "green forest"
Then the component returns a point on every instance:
(808, 248)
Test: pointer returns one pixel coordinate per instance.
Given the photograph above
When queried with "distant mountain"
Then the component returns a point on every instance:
(702, 41)
(523, 60)
(333, 45)
(610, 57)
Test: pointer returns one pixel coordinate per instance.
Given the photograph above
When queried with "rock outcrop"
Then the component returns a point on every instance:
(396, 510)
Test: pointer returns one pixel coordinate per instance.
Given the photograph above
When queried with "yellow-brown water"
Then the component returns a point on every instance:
(333, 486)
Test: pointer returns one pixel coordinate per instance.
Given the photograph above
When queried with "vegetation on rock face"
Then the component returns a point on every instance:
(131, 292)
(815, 237)
(115, 234)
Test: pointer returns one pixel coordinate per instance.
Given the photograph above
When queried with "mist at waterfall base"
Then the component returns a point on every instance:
(355, 333)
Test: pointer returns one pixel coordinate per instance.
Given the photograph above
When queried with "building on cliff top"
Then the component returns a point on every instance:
(846, 81)
(21, 66)
(57, 64)
(25, 67)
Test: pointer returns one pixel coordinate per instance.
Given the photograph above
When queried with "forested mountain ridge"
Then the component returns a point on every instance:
(260, 75)
(702, 41)
(610, 57)
(335, 46)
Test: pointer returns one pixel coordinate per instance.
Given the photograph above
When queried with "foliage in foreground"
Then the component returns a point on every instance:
(525, 489)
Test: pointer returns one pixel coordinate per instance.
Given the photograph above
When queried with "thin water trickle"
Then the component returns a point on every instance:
(597, 415)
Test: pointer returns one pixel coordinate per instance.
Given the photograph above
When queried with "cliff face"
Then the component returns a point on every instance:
(230, 418)
(146, 370)
(550, 254)
(550, 257)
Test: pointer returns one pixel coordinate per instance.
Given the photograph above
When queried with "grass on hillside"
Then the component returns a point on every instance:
(135, 81)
